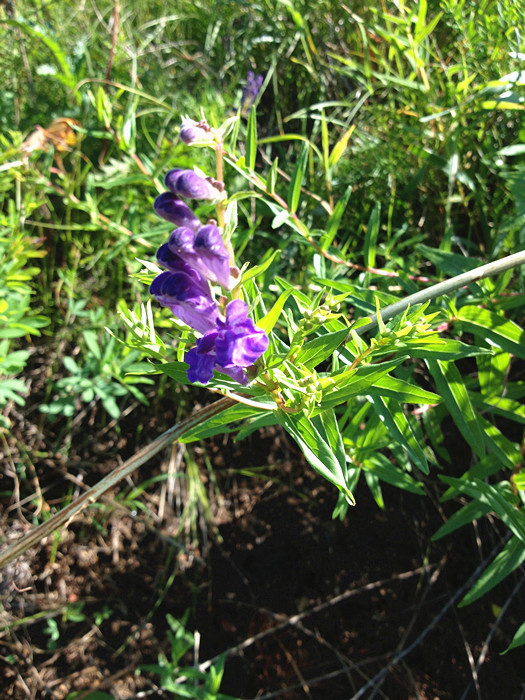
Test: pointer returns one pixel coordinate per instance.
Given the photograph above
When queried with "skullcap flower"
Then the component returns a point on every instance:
(173, 209)
(239, 342)
(205, 252)
(186, 183)
(187, 294)
(235, 344)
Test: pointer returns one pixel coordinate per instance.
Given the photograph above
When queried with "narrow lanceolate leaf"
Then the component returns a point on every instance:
(221, 423)
(315, 351)
(253, 272)
(267, 322)
(371, 236)
(496, 498)
(393, 417)
(251, 141)
(465, 515)
(490, 325)
(340, 146)
(518, 640)
(510, 557)
(332, 225)
(403, 391)
(294, 191)
(271, 178)
(321, 443)
(385, 470)
(451, 387)
(356, 382)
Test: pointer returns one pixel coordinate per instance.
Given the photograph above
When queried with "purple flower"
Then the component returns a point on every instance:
(187, 294)
(205, 252)
(194, 132)
(250, 91)
(235, 344)
(239, 342)
(173, 209)
(186, 183)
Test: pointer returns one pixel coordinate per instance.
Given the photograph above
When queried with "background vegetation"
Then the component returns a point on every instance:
(413, 114)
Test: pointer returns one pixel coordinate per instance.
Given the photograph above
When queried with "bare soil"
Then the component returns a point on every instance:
(303, 605)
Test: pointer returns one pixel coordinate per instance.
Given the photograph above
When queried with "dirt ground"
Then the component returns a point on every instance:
(304, 606)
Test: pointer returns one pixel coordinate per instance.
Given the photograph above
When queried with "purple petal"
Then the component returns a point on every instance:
(173, 209)
(186, 183)
(202, 359)
(239, 342)
(170, 260)
(188, 296)
(205, 252)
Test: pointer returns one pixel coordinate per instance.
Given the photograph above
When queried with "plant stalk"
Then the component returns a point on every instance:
(442, 288)
(110, 480)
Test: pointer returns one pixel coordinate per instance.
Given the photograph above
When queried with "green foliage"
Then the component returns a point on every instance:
(186, 681)
(383, 154)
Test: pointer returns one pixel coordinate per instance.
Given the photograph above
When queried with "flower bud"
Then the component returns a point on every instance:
(195, 132)
(186, 183)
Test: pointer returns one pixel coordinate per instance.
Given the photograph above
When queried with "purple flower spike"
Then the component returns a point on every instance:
(205, 252)
(171, 208)
(188, 296)
(239, 342)
(186, 183)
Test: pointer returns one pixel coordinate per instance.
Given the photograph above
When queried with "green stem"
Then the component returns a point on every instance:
(437, 290)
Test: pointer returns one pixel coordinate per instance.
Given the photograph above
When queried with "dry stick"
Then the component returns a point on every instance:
(177, 431)
(297, 618)
(486, 643)
(109, 481)
(375, 682)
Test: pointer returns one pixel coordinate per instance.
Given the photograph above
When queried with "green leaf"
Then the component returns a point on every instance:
(451, 387)
(268, 321)
(518, 640)
(251, 140)
(392, 415)
(321, 443)
(338, 388)
(91, 340)
(332, 225)
(369, 250)
(465, 515)
(294, 190)
(176, 370)
(510, 557)
(495, 498)
(271, 178)
(315, 351)
(385, 470)
(489, 325)
(403, 391)
(451, 264)
(220, 423)
(434, 347)
(253, 272)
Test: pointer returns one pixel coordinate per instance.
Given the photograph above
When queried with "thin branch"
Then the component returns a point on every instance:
(124, 470)
(442, 288)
